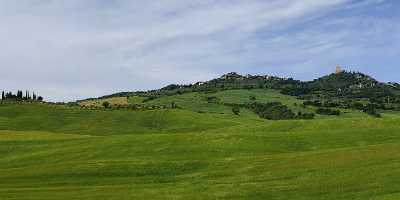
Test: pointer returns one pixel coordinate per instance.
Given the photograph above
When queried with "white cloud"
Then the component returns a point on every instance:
(75, 49)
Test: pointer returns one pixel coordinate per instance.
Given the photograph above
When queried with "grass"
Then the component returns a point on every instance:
(136, 99)
(197, 101)
(108, 122)
(55, 152)
(261, 95)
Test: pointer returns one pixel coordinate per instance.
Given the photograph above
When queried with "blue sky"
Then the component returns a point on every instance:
(72, 49)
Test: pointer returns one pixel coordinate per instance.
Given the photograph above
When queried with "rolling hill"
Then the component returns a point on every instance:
(56, 152)
(186, 142)
(348, 93)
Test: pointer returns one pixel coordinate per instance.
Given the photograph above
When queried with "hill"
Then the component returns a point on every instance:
(234, 137)
(329, 95)
(346, 82)
(61, 152)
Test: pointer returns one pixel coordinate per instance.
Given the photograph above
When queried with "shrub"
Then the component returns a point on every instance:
(272, 111)
(371, 110)
(358, 106)
(316, 103)
(236, 110)
(212, 99)
(106, 104)
(327, 111)
(301, 115)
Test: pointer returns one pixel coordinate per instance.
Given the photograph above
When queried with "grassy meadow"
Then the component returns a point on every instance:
(56, 152)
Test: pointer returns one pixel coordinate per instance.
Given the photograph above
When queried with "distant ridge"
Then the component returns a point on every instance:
(340, 80)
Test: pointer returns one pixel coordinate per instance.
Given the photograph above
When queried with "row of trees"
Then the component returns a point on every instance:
(20, 96)
(276, 111)
(324, 107)
(108, 105)
(327, 111)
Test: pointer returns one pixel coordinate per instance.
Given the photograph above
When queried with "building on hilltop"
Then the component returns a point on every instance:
(231, 75)
(339, 70)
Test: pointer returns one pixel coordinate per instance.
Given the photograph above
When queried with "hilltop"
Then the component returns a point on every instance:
(344, 83)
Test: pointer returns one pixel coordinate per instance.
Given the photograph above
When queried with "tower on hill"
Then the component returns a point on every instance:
(338, 70)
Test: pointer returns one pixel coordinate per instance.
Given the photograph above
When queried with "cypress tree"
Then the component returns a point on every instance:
(3, 95)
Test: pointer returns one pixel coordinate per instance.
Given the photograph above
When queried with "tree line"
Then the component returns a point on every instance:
(20, 96)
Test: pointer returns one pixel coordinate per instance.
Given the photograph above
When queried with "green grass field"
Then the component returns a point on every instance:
(55, 152)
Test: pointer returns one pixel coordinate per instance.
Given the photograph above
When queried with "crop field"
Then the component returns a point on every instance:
(99, 102)
(56, 152)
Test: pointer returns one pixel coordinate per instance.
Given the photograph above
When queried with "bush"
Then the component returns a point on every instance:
(272, 111)
(212, 99)
(316, 103)
(331, 104)
(106, 104)
(295, 91)
(236, 110)
(371, 110)
(358, 106)
(327, 111)
(305, 115)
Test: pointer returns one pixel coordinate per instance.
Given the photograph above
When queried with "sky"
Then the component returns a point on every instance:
(66, 50)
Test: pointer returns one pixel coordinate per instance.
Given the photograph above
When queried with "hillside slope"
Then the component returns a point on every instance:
(349, 93)
(60, 119)
(55, 152)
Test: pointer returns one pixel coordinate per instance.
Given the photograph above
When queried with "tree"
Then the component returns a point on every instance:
(301, 115)
(40, 98)
(236, 110)
(271, 110)
(327, 111)
(212, 99)
(19, 95)
(371, 110)
(173, 105)
(106, 104)
(3, 96)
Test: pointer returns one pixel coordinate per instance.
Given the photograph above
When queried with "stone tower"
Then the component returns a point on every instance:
(338, 70)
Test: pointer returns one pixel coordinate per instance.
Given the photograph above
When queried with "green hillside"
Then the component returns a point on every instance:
(348, 94)
(60, 119)
(221, 102)
(198, 102)
(234, 137)
(58, 152)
